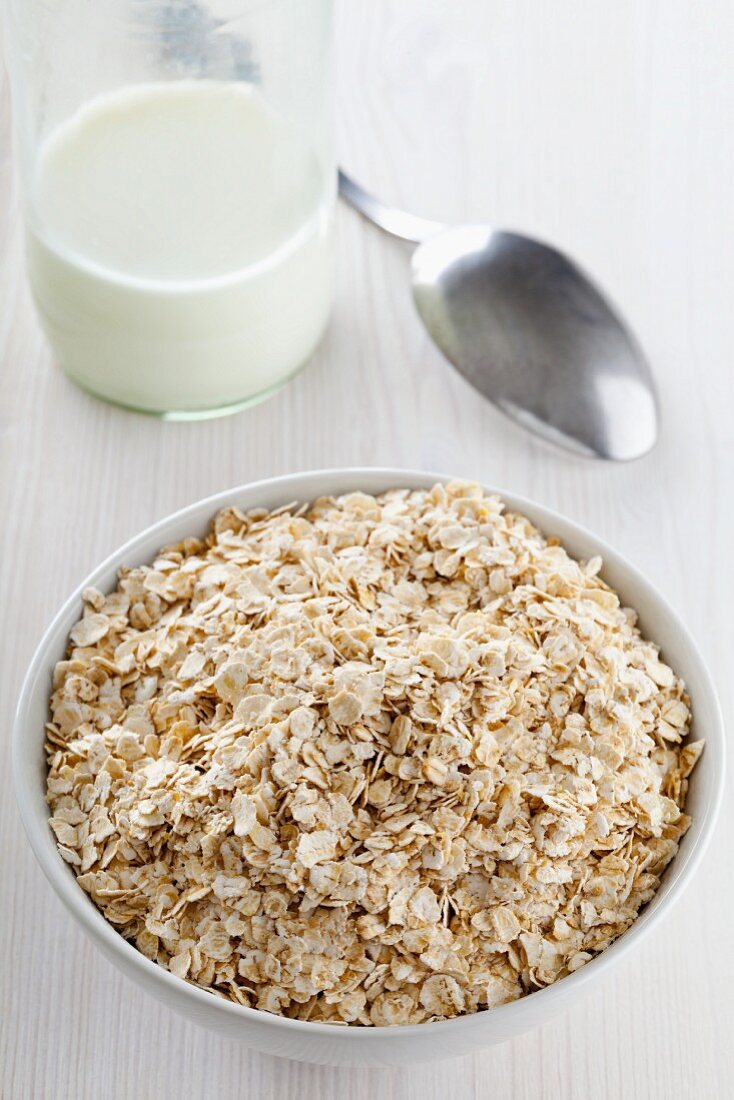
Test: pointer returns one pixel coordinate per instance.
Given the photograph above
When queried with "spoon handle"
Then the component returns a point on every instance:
(397, 223)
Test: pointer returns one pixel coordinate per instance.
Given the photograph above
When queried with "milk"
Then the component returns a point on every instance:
(180, 246)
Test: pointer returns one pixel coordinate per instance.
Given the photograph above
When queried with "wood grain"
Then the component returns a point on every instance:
(607, 128)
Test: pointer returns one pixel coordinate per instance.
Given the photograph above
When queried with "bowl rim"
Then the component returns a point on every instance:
(150, 973)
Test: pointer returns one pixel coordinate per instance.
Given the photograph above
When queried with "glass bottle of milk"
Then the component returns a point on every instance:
(179, 184)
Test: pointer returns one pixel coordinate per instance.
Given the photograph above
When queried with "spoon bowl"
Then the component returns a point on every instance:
(529, 330)
(532, 333)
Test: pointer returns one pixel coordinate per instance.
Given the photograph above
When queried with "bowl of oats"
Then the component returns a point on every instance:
(367, 767)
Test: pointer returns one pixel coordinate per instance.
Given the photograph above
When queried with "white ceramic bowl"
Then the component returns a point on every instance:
(324, 1043)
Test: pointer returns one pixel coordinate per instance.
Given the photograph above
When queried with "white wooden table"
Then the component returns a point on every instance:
(607, 127)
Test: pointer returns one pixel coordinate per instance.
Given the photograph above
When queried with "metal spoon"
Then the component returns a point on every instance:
(529, 330)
